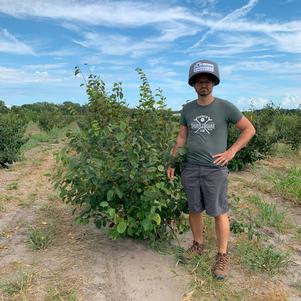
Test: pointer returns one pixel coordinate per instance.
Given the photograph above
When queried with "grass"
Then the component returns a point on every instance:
(61, 294)
(298, 233)
(291, 183)
(41, 238)
(288, 184)
(18, 285)
(268, 214)
(52, 196)
(256, 257)
(37, 136)
(298, 286)
(205, 286)
(12, 186)
(254, 212)
(283, 150)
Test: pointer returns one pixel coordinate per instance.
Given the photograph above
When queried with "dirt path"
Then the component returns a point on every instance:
(81, 263)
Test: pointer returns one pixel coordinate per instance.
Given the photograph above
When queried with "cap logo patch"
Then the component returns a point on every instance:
(205, 67)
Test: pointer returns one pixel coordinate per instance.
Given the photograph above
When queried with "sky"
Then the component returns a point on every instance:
(256, 44)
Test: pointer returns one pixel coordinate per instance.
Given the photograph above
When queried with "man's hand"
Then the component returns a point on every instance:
(170, 173)
(223, 158)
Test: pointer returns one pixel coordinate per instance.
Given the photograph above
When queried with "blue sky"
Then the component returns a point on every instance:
(256, 43)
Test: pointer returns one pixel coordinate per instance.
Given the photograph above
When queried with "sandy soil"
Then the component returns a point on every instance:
(80, 259)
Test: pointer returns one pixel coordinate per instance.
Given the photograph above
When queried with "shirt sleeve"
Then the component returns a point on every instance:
(233, 113)
(182, 118)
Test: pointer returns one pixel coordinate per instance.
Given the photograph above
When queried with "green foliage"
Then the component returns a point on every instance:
(260, 145)
(114, 168)
(272, 125)
(12, 129)
(288, 129)
(50, 120)
(3, 107)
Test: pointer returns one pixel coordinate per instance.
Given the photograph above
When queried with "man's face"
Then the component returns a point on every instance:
(203, 85)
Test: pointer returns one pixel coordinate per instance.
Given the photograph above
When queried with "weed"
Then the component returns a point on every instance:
(47, 174)
(41, 238)
(12, 186)
(14, 286)
(259, 258)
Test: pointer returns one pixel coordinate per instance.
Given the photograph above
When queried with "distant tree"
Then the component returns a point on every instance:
(3, 107)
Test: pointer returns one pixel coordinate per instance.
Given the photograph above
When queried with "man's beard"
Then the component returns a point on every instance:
(204, 92)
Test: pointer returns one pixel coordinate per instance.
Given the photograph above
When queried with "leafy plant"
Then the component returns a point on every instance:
(258, 148)
(114, 169)
(12, 129)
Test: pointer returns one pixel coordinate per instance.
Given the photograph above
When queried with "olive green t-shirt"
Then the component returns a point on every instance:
(208, 129)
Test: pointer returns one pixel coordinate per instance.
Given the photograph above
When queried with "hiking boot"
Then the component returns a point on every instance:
(195, 249)
(221, 267)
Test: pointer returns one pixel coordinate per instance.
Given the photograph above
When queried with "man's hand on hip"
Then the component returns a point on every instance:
(223, 158)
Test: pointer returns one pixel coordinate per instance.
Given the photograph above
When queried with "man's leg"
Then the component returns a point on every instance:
(221, 266)
(196, 225)
(222, 229)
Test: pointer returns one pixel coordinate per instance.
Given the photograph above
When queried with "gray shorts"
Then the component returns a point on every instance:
(206, 188)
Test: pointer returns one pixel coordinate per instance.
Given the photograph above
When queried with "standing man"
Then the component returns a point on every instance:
(204, 130)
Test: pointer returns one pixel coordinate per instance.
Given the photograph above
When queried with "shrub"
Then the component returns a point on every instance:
(12, 129)
(49, 120)
(114, 168)
(258, 147)
(288, 129)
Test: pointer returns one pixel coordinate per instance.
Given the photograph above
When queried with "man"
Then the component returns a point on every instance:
(204, 129)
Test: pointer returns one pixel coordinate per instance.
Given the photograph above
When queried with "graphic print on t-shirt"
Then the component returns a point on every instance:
(202, 124)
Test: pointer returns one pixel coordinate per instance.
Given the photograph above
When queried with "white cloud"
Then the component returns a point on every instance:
(173, 31)
(106, 13)
(245, 103)
(171, 19)
(291, 101)
(44, 66)
(10, 44)
(279, 68)
(288, 42)
(236, 14)
(29, 74)
(120, 45)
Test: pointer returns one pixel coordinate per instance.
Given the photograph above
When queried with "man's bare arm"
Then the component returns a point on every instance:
(180, 142)
(181, 139)
(247, 132)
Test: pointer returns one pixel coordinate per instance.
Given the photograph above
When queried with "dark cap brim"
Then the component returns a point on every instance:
(215, 78)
